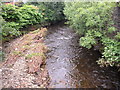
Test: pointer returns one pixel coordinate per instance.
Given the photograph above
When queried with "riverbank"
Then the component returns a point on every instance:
(24, 65)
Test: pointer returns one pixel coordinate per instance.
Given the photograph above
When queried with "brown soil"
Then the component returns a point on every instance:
(24, 65)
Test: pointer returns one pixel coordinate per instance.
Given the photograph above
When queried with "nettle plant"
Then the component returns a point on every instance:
(94, 21)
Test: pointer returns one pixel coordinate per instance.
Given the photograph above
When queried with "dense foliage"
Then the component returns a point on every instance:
(15, 17)
(94, 21)
(52, 11)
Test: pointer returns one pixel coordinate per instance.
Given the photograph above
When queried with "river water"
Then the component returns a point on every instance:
(72, 66)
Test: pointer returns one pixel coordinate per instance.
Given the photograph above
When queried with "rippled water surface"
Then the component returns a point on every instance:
(72, 66)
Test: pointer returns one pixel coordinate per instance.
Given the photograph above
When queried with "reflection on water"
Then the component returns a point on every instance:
(72, 66)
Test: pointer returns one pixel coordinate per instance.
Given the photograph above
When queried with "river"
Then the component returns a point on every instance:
(72, 66)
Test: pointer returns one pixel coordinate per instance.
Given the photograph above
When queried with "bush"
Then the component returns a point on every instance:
(18, 17)
(29, 15)
(13, 18)
(51, 11)
(94, 21)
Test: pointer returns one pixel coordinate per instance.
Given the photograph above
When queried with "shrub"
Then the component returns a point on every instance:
(29, 15)
(18, 17)
(94, 21)
(51, 11)
(15, 17)
(7, 30)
